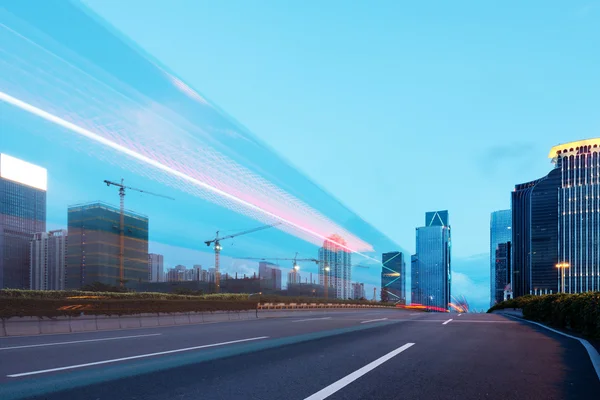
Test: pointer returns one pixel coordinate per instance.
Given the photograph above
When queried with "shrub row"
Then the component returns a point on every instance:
(21, 307)
(576, 312)
(64, 294)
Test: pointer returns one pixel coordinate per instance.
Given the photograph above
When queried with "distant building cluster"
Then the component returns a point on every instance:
(549, 241)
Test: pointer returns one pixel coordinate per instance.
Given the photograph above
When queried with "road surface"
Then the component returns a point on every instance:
(370, 354)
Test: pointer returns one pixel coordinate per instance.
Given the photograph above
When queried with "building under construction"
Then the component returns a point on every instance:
(94, 246)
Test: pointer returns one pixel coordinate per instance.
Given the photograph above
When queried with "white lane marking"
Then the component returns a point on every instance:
(469, 321)
(348, 379)
(77, 341)
(591, 350)
(373, 320)
(43, 371)
(445, 322)
(311, 319)
(418, 313)
(459, 315)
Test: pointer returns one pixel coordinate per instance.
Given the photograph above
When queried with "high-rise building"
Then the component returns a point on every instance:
(47, 260)
(197, 275)
(335, 266)
(177, 274)
(22, 213)
(155, 267)
(94, 246)
(358, 291)
(293, 277)
(578, 165)
(535, 235)
(502, 271)
(416, 292)
(270, 275)
(500, 232)
(433, 262)
(393, 277)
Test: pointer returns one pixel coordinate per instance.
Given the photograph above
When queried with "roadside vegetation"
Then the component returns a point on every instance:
(576, 312)
(53, 303)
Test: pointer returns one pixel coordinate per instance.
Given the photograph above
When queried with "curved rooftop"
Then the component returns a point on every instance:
(576, 147)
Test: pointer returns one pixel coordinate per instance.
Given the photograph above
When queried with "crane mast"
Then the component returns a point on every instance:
(122, 188)
(218, 248)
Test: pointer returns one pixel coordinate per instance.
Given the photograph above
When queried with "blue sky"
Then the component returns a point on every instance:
(394, 108)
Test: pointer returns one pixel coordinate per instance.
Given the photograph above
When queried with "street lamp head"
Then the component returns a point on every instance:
(327, 269)
(296, 267)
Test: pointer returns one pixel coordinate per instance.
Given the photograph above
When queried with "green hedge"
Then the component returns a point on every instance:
(63, 294)
(577, 312)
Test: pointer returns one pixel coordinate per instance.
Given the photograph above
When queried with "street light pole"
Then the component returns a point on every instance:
(326, 278)
(562, 267)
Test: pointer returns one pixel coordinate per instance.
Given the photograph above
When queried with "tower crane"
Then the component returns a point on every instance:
(217, 245)
(122, 222)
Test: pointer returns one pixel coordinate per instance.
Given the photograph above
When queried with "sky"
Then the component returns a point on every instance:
(394, 108)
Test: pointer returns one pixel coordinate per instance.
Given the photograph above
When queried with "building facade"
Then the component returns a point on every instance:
(432, 262)
(270, 275)
(293, 277)
(535, 235)
(94, 246)
(500, 232)
(156, 271)
(393, 277)
(22, 214)
(358, 291)
(502, 271)
(47, 260)
(578, 247)
(335, 267)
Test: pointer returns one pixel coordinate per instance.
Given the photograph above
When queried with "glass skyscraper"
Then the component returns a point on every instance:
(393, 277)
(338, 261)
(535, 235)
(432, 262)
(500, 232)
(578, 166)
(22, 214)
(93, 246)
(502, 271)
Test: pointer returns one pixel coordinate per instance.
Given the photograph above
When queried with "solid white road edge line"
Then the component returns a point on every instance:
(373, 320)
(591, 350)
(311, 319)
(445, 322)
(43, 371)
(77, 341)
(348, 379)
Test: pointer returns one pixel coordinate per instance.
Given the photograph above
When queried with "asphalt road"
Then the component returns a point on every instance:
(375, 354)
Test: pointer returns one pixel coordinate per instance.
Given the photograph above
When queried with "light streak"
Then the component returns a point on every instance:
(160, 166)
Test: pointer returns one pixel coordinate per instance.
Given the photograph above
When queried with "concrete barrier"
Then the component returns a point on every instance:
(26, 326)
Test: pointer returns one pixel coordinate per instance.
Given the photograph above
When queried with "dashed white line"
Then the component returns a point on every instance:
(445, 322)
(373, 320)
(459, 315)
(43, 371)
(311, 319)
(348, 379)
(77, 341)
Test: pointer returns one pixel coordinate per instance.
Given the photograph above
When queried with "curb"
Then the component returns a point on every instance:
(591, 350)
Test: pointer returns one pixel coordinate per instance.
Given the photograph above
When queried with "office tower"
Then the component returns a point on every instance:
(416, 293)
(433, 261)
(500, 232)
(94, 246)
(335, 267)
(47, 260)
(270, 275)
(155, 267)
(393, 277)
(502, 271)
(535, 235)
(358, 291)
(293, 277)
(211, 274)
(578, 164)
(22, 213)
